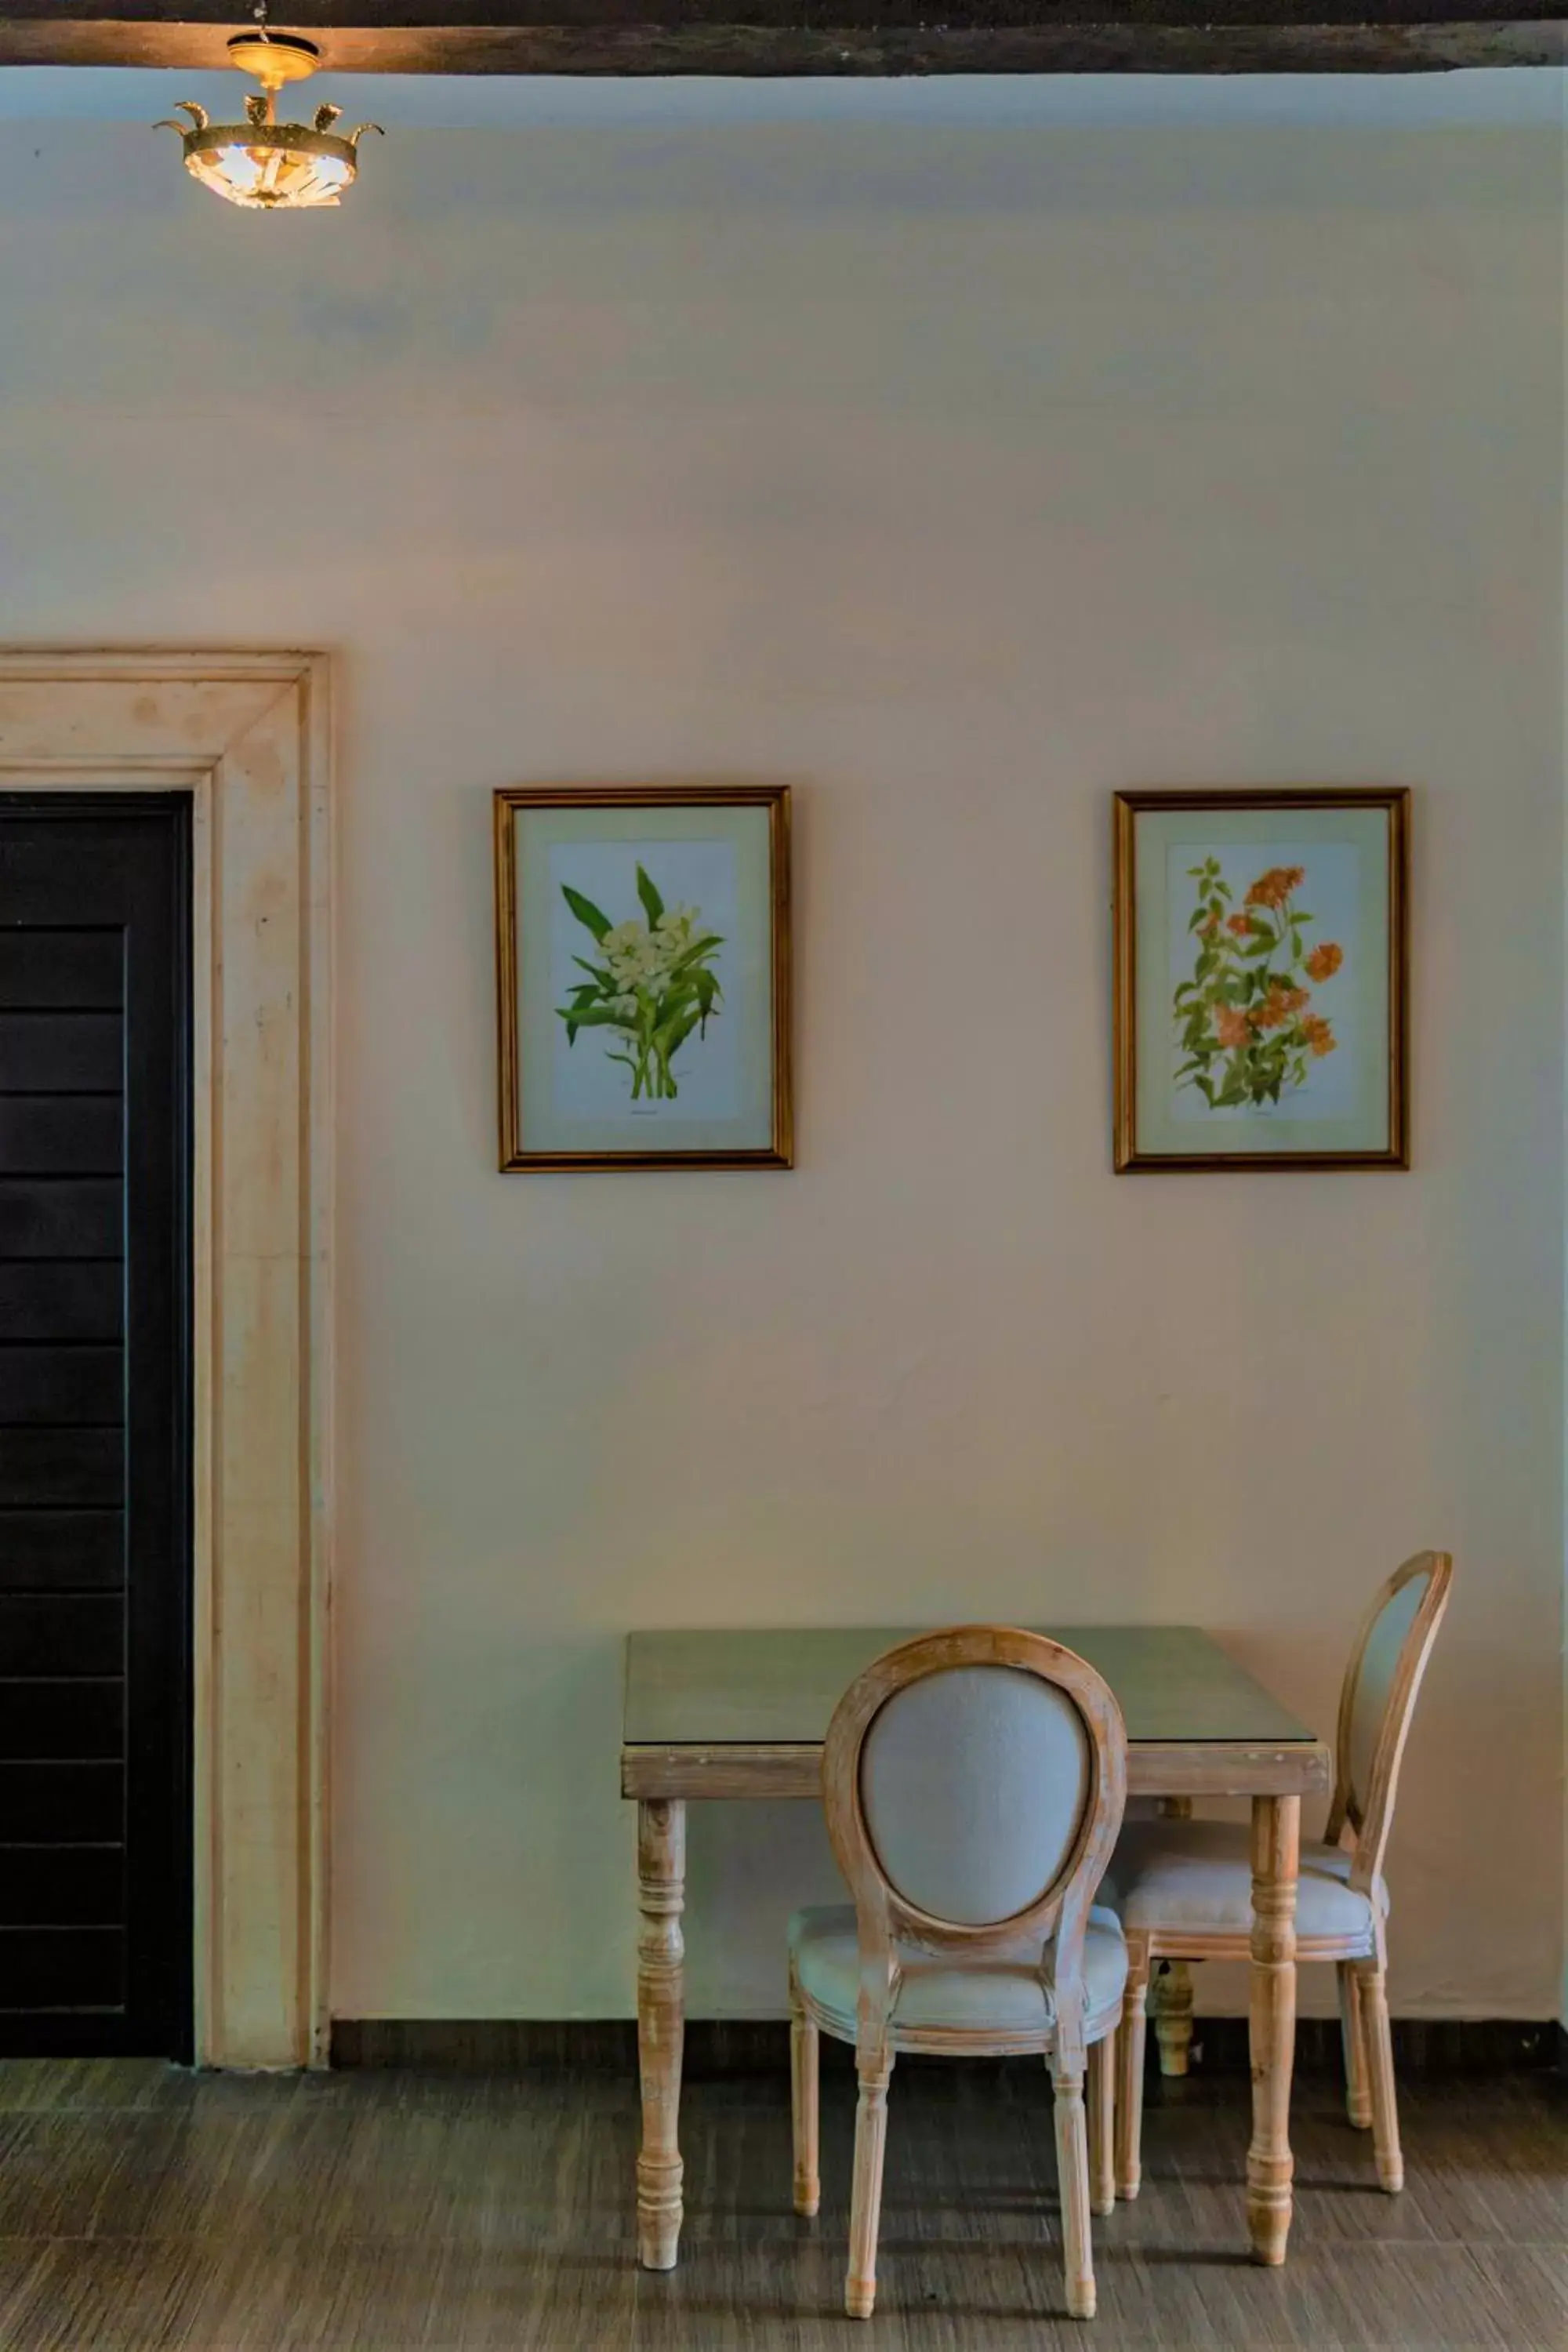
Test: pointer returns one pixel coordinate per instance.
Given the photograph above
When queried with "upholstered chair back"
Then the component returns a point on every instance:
(1378, 1701)
(974, 1782)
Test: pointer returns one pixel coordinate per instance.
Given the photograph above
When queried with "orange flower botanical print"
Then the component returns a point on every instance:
(1272, 890)
(1244, 1029)
(1278, 1005)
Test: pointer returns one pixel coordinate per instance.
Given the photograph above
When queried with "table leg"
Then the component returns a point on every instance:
(1171, 1997)
(661, 2024)
(1276, 1853)
(1171, 2004)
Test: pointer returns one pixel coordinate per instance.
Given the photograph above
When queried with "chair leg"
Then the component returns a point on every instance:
(866, 2197)
(1380, 2067)
(1072, 2174)
(1102, 2126)
(803, 2070)
(1129, 2047)
(1353, 2034)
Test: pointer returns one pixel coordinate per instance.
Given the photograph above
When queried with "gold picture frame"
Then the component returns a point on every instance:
(738, 836)
(1225, 1064)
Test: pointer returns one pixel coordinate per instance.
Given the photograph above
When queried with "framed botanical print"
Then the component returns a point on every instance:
(1262, 979)
(643, 965)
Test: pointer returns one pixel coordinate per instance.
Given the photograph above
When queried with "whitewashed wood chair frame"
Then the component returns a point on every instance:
(1359, 1823)
(886, 1920)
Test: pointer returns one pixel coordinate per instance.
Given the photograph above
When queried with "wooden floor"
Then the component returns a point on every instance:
(143, 2208)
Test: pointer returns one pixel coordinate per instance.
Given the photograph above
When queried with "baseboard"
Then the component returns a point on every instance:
(716, 2047)
(1422, 2046)
(606, 2045)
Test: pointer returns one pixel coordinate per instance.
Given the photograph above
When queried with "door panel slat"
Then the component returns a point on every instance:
(80, 1468)
(44, 1387)
(62, 1216)
(62, 1551)
(62, 1887)
(63, 970)
(61, 1299)
(62, 1053)
(61, 1804)
(68, 1722)
(54, 1633)
(62, 1135)
(61, 1967)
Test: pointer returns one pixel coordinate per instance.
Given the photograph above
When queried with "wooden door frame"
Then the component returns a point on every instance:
(249, 736)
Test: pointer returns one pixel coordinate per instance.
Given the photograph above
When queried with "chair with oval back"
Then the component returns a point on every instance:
(1184, 1888)
(974, 1782)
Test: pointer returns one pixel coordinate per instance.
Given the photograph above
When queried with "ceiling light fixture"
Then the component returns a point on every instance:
(262, 161)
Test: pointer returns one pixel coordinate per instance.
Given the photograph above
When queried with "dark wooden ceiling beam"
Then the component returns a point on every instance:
(768, 38)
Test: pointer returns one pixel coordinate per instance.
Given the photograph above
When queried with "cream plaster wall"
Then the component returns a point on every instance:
(957, 467)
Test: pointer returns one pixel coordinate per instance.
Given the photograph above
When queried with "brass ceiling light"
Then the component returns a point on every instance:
(262, 161)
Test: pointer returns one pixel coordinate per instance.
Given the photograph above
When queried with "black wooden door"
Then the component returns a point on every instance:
(95, 1420)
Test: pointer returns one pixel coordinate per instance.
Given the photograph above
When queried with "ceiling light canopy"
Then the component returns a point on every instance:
(261, 161)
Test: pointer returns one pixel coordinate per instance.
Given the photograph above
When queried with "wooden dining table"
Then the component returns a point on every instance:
(744, 1713)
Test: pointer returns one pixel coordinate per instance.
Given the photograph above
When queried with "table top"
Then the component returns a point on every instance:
(769, 1689)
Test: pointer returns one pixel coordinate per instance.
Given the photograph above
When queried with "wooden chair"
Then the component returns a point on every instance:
(974, 1782)
(1184, 1888)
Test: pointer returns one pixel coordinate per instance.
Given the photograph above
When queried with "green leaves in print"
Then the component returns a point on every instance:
(651, 984)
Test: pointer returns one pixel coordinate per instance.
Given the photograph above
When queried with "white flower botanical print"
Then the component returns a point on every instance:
(650, 986)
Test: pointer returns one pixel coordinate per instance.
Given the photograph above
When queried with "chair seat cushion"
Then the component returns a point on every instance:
(1008, 1995)
(1167, 1876)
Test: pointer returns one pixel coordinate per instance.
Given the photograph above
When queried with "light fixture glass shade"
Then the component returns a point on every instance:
(261, 163)
(281, 164)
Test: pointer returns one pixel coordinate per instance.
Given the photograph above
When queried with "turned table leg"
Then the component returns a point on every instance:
(661, 2024)
(1171, 1998)
(1276, 1851)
